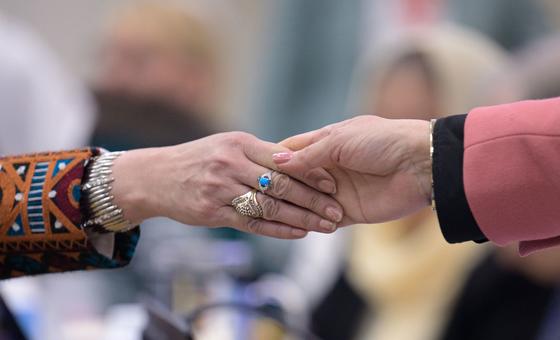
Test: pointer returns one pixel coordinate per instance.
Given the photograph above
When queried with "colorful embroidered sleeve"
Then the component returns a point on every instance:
(40, 217)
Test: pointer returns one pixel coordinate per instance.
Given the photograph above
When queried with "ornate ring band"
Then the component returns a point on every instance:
(247, 205)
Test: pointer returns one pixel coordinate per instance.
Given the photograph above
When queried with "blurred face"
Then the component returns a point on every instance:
(137, 63)
(406, 92)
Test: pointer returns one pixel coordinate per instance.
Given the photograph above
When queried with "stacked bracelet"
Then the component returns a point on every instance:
(102, 211)
(432, 196)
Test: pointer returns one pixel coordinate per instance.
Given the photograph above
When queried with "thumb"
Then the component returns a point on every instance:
(303, 140)
(316, 155)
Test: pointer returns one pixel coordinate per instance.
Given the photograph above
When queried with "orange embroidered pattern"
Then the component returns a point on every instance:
(40, 217)
(38, 202)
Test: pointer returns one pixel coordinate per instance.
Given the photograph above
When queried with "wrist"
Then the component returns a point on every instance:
(133, 175)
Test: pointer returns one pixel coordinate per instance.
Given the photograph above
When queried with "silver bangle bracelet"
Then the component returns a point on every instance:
(104, 213)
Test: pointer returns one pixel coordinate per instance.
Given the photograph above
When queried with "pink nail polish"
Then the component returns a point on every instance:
(282, 157)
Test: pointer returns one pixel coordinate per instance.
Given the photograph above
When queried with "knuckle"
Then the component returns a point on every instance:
(281, 185)
(314, 202)
(283, 232)
(335, 132)
(270, 206)
(218, 163)
(314, 175)
(237, 138)
(206, 209)
(255, 226)
(211, 186)
(222, 216)
(308, 174)
(307, 220)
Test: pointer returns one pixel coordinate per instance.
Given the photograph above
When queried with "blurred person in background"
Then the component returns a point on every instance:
(159, 71)
(402, 281)
(532, 74)
(160, 79)
(157, 80)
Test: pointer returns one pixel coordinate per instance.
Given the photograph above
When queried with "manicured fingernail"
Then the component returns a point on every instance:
(327, 225)
(298, 232)
(327, 186)
(282, 157)
(334, 214)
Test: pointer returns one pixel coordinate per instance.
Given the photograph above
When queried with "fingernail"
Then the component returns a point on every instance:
(334, 214)
(298, 232)
(281, 157)
(327, 186)
(327, 225)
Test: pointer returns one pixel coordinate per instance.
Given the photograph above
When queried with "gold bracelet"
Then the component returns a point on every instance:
(432, 196)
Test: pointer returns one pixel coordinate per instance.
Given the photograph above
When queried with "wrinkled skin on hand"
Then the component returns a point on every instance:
(381, 166)
(194, 183)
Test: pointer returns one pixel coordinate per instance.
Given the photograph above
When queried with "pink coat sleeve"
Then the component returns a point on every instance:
(512, 172)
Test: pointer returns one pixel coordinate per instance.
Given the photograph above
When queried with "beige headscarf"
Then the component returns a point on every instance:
(465, 63)
(405, 268)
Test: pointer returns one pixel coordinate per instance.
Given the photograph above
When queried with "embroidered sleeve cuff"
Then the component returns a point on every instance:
(40, 217)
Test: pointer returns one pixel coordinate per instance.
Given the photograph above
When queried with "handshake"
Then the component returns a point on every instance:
(363, 170)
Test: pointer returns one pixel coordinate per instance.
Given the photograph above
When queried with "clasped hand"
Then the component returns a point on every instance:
(366, 169)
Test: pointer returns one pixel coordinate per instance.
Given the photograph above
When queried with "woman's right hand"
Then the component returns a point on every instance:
(195, 183)
(382, 167)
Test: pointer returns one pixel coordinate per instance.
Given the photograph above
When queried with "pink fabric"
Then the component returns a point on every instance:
(512, 172)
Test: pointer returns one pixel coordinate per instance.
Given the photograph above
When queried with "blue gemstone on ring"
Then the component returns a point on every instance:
(264, 182)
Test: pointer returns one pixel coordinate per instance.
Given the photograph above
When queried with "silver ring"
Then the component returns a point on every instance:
(247, 205)
(265, 181)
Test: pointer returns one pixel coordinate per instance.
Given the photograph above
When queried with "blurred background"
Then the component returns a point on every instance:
(130, 74)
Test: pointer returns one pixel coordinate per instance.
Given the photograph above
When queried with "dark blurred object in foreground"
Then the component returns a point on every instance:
(9, 328)
(495, 303)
